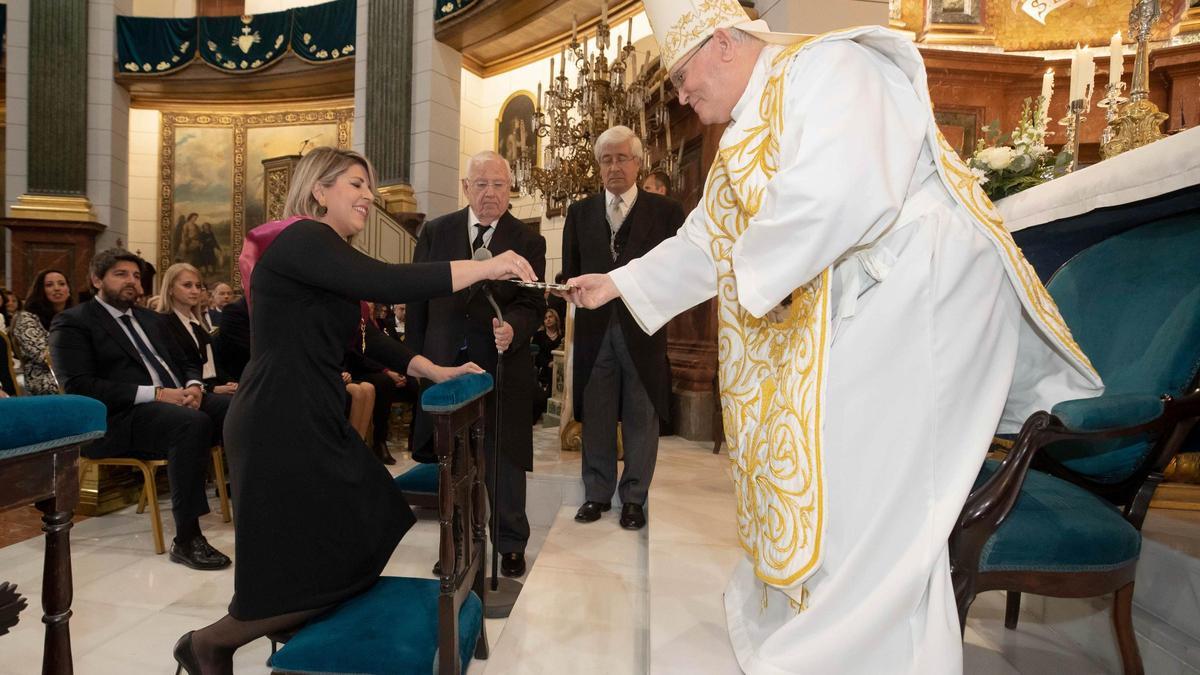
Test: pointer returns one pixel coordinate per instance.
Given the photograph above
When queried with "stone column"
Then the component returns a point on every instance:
(388, 119)
(436, 119)
(51, 222)
(56, 167)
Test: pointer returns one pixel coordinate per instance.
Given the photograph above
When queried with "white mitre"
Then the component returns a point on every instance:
(681, 25)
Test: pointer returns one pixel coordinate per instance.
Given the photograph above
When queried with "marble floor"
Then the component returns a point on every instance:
(657, 592)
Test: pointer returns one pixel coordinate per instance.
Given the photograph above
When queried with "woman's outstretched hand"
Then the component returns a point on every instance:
(590, 290)
(443, 373)
(509, 265)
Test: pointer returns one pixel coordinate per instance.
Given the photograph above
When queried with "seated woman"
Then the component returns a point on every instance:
(179, 303)
(49, 295)
(286, 435)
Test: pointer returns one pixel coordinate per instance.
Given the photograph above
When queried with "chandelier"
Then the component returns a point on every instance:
(570, 118)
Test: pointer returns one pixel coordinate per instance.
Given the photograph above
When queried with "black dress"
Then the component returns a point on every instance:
(317, 515)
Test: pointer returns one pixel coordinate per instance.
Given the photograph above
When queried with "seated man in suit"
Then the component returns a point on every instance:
(117, 353)
(621, 373)
(462, 327)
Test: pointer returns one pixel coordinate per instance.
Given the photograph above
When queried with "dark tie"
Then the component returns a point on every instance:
(202, 340)
(478, 243)
(164, 375)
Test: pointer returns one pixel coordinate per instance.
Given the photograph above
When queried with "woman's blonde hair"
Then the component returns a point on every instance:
(166, 301)
(322, 165)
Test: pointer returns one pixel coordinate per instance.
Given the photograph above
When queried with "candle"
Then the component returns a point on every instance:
(539, 98)
(617, 55)
(562, 67)
(1077, 81)
(629, 38)
(633, 69)
(574, 28)
(1048, 85)
(604, 11)
(1116, 59)
(551, 72)
(1089, 74)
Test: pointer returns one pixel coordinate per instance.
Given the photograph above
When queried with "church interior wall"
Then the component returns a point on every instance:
(820, 16)
(144, 126)
(108, 125)
(435, 117)
(179, 9)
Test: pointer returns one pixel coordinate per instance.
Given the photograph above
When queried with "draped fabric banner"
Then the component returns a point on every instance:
(324, 32)
(236, 44)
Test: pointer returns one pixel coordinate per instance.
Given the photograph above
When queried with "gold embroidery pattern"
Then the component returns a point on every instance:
(772, 374)
(1045, 312)
(695, 24)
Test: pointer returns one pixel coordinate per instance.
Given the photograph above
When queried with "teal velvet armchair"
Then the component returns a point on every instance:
(1061, 514)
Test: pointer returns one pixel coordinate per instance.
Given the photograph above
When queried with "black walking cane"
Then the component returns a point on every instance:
(503, 592)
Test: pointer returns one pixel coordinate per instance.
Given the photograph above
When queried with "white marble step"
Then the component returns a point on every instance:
(1168, 580)
(692, 551)
(584, 606)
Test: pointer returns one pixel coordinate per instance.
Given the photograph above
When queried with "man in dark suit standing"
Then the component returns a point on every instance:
(621, 373)
(113, 351)
(463, 327)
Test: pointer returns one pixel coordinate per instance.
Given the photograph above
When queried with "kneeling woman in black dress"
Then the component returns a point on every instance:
(317, 516)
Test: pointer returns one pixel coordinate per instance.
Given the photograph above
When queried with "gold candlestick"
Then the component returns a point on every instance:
(1138, 121)
(1111, 103)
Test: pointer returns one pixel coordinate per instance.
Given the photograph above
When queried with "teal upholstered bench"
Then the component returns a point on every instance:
(420, 483)
(409, 625)
(40, 440)
(360, 636)
(30, 424)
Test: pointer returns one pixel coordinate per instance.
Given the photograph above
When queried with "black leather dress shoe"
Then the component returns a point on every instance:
(512, 564)
(633, 517)
(198, 555)
(590, 511)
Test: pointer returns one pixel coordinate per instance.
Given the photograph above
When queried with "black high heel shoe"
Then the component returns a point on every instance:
(185, 658)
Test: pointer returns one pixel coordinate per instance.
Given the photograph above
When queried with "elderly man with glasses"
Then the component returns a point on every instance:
(621, 372)
(462, 327)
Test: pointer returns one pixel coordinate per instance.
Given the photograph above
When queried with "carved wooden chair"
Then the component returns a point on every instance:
(412, 625)
(1061, 514)
(40, 441)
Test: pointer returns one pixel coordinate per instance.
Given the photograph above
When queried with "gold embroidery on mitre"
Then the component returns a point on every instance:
(772, 373)
(696, 24)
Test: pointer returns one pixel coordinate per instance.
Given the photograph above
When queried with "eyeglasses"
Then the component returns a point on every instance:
(481, 185)
(609, 160)
(680, 74)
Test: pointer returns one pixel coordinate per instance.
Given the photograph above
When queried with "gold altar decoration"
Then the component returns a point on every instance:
(1006, 25)
(570, 117)
(1138, 122)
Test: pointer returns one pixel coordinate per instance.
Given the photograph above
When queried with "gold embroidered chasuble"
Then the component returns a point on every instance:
(773, 374)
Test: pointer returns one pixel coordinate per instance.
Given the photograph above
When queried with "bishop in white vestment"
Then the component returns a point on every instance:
(877, 326)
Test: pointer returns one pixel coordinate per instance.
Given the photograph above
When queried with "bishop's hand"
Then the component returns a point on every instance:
(591, 290)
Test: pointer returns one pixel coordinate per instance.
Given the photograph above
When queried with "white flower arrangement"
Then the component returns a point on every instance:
(1006, 165)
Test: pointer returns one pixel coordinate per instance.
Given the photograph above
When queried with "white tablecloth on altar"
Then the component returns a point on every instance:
(1151, 170)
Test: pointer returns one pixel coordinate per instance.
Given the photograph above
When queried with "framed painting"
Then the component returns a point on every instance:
(960, 12)
(515, 139)
(211, 179)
